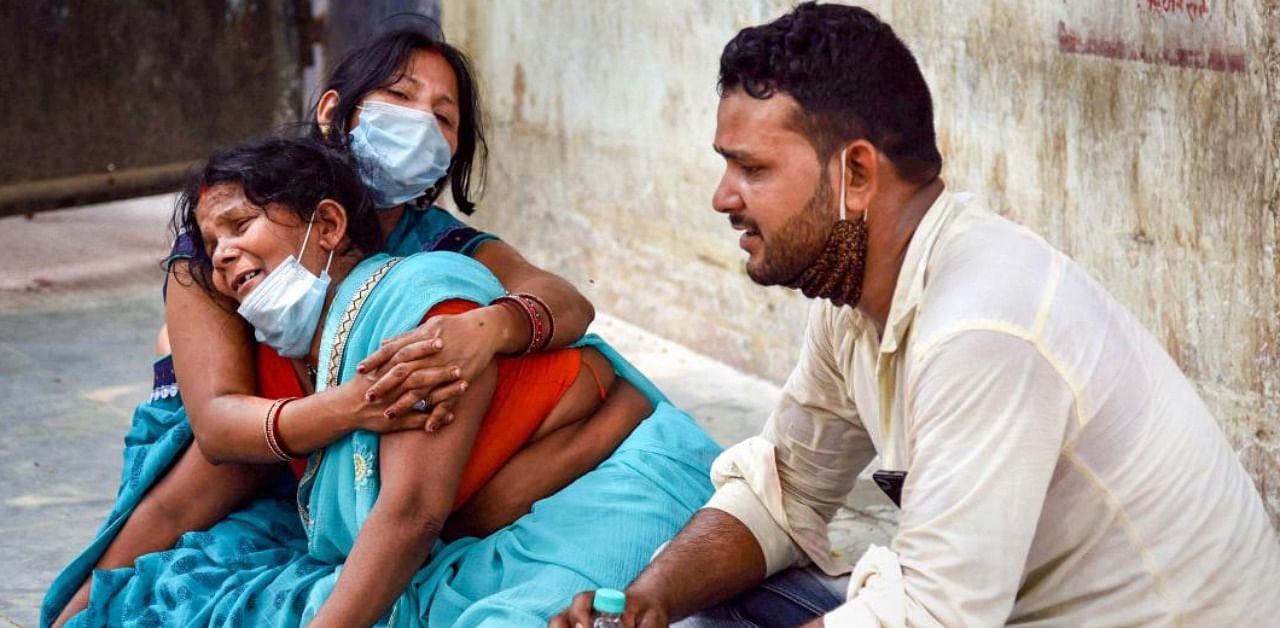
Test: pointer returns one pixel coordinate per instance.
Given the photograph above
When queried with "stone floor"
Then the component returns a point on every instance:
(76, 336)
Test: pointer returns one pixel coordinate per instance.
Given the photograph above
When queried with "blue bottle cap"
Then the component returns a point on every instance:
(610, 601)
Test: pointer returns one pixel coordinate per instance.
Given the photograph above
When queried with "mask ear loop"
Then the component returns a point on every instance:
(308, 236)
(866, 211)
(326, 264)
(844, 187)
(304, 245)
(844, 190)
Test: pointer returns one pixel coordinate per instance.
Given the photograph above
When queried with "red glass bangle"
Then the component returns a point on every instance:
(537, 333)
(272, 429)
(551, 318)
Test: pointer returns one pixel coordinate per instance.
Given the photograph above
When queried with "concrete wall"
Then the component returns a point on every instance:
(1141, 138)
(106, 100)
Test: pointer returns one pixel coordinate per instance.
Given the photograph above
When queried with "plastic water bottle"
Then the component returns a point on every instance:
(608, 606)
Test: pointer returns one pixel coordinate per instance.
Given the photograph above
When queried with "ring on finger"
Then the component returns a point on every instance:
(420, 406)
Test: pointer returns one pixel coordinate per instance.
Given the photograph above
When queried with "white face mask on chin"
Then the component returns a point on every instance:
(285, 308)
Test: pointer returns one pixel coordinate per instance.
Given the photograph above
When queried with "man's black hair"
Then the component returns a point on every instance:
(382, 62)
(294, 173)
(852, 76)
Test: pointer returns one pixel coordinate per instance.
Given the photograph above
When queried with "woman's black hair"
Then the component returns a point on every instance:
(382, 62)
(294, 173)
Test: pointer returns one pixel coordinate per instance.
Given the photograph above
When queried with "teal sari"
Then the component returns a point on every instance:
(159, 432)
(275, 562)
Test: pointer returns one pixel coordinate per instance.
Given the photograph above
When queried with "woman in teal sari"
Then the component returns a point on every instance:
(358, 556)
(218, 414)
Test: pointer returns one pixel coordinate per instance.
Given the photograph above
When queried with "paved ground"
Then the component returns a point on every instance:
(79, 307)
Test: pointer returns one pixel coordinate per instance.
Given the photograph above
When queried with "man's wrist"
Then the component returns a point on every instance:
(650, 591)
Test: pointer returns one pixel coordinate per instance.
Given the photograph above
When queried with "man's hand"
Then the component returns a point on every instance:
(712, 559)
(578, 613)
(643, 611)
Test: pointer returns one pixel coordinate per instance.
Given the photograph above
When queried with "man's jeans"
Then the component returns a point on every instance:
(790, 598)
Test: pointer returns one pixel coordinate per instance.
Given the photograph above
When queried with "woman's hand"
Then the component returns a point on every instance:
(316, 420)
(435, 361)
(352, 402)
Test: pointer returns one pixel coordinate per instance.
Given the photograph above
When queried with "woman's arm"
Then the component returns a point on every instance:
(471, 340)
(420, 475)
(550, 464)
(213, 358)
(573, 312)
(167, 511)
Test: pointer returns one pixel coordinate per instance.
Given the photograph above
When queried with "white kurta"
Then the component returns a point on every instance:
(1061, 469)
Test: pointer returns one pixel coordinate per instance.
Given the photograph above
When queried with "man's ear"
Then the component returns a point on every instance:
(862, 176)
(325, 109)
(330, 224)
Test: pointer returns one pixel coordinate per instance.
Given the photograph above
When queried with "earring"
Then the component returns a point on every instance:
(324, 131)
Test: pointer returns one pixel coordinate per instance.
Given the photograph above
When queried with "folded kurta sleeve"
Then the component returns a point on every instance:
(786, 484)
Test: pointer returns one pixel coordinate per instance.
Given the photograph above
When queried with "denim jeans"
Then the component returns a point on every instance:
(790, 598)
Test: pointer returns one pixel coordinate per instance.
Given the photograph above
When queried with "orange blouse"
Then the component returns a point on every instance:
(528, 388)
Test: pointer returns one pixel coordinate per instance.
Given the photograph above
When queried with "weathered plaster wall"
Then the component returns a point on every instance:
(1141, 138)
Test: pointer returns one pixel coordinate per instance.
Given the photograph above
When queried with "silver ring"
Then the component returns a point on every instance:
(421, 406)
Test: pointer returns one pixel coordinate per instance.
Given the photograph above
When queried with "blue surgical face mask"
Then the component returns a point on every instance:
(285, 308)
(401, 152)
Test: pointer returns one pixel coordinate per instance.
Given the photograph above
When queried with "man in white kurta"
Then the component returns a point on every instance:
(1061, 470)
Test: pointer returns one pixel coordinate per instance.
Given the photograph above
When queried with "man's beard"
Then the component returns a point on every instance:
(797, 243)
(836, 275)
(820, 259)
